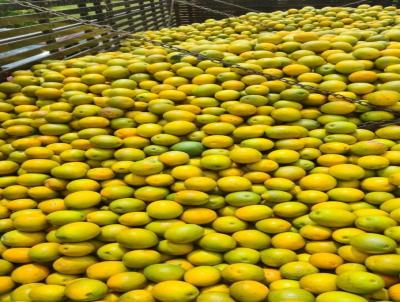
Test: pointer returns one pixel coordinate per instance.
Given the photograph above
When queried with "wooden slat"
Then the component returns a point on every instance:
(22, 19)
(62, 44)
(44, 3)
(129, 25)
(112, 5)
(77, 10)
(44, 37)
(31, 17)
(16, 33)
(73, 51)
(125, 15)
(111, 38)
(51, 46)
(106, 14)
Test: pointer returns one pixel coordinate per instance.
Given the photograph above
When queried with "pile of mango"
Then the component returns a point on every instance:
(147, 175)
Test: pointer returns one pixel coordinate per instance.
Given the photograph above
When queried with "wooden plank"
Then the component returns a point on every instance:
(80, 9)
(44, 3)
(6, 59)
(129, 23)
(111, 38)
(68, 53)
(88, 48)
(7, 46)
(106, 14)
(110, 45)
(115, 18)
(22, 19)
(130, 26)
(59, 45)
(85, 9)
(17, 32)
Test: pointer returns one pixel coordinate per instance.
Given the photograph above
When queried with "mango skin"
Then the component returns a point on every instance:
(17, 238)
(85, 289)
(77, 232)
(73, 265)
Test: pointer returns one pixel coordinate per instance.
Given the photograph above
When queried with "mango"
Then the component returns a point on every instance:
(77, 232)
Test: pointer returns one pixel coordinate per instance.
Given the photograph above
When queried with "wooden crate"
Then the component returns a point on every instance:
(28, 36)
